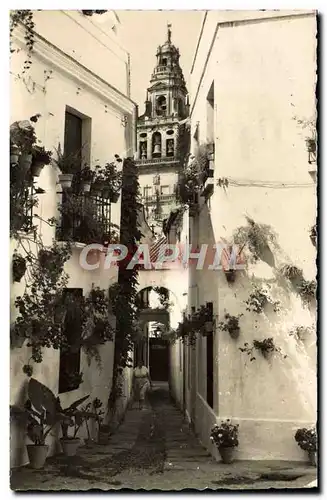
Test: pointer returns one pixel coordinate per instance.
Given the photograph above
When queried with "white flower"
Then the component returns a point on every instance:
(220, 435)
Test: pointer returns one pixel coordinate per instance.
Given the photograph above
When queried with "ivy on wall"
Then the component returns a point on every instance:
(25, 18)
(123, 294)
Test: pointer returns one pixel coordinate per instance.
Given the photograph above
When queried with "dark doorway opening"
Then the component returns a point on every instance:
(159, 359)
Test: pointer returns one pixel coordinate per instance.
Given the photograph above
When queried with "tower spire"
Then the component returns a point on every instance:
(169, 32)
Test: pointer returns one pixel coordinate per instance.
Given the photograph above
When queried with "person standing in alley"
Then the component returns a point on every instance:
(141, 383)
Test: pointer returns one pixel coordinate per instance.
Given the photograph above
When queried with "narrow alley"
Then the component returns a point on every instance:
(155, 449)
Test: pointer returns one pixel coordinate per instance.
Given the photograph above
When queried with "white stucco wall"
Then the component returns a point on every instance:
(264, 75)
(69, 85)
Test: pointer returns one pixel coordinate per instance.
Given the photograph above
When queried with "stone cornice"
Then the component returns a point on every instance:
(55, 57)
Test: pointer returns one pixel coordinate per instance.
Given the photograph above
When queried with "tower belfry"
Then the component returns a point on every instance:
(166, 106)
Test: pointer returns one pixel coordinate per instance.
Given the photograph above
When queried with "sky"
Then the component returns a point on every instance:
(141, 33)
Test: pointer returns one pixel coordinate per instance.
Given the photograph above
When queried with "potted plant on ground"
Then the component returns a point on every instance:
(18, 267)
(39, 416)
(231, 325)
(40, 157)
(307, 440)
(68, 164)
(75, 418)
(225, 437)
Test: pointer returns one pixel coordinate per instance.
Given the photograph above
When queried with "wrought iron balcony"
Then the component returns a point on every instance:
(85, 218)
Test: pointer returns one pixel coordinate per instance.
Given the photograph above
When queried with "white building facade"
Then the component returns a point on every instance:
(78, 83)
(253, 95)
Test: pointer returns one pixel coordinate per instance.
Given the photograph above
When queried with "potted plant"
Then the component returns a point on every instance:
(22, 136)
(68, 165)
(265, 346)
(230, 275)
(74, 418)
(231, 325)
(293, 274)
(108, 180)
(225, 437)
(301, 332)
(86, 179)
(40, 157)
(18, 267)
(39, 416)
(259, 299)
(307, 291)
(307, 441)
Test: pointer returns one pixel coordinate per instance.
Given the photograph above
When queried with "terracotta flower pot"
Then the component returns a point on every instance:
(230, 275)
(70, 446)
(267, 354)
(312, 458)
(37, 169)
(86, 186)
(37, 455)
(66, 180)
(235, 333)
(114, 197)
(227, 454)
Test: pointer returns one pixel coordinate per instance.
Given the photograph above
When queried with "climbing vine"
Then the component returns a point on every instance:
(24, 17)
(41, 307)
(123, 294)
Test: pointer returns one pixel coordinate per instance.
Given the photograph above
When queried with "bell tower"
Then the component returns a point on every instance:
(157, 158)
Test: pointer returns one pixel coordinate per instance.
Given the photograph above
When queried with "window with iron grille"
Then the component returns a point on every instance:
(70, 355)
(85, 217)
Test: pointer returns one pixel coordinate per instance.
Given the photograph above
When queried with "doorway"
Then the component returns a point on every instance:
(158, 359)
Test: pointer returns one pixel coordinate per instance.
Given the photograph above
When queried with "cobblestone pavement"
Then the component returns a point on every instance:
(155, 449)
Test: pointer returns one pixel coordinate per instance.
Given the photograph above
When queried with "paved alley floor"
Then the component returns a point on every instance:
(154, 449)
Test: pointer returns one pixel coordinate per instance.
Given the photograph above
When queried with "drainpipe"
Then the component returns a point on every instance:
(128, 75)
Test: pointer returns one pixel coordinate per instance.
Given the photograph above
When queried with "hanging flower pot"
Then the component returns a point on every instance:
(41, 157)
(37, 454)
(66, 180)
(267, 354)
(227, 454)
(234, 333)
(230, 275)
(18, 267)
(25, 161)
(37, 169)
(14, 155)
